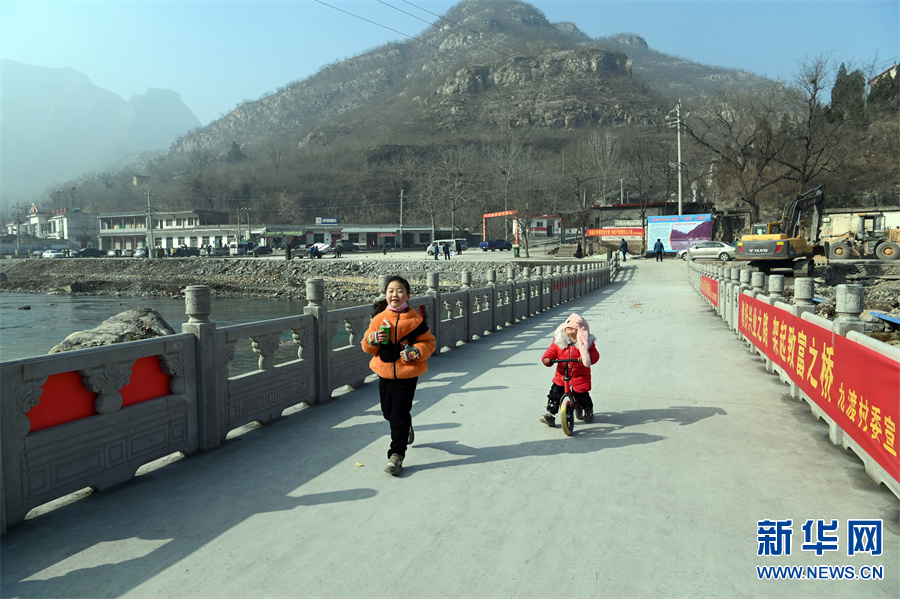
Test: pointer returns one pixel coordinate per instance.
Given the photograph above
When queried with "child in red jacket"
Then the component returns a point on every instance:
(572, 340)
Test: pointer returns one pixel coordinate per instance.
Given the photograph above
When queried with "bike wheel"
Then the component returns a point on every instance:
(567, 415)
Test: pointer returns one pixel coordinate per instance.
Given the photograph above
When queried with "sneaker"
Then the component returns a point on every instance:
(549, 419)
(589, 416)
(412, 436)
(394, 465)
(579, 414)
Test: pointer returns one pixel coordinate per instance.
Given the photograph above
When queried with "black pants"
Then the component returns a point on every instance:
(659, 256)
(396, 405)
(556, 393)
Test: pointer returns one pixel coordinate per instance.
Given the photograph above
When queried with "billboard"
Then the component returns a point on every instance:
(679, 232)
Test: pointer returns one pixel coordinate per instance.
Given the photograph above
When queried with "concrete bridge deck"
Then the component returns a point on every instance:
(693, 444)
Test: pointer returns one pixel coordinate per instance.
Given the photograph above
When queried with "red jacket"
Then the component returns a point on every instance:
(579, 374)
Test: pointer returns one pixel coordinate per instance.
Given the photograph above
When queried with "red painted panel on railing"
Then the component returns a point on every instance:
(710, 289)
(856, 386)
(64, 399)
(148, 381)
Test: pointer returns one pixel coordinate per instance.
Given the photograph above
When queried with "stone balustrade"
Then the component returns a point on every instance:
(849, 380)
(93, 417)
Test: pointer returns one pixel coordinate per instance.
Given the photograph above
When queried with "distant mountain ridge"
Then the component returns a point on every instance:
(501, 61)
(57, 125)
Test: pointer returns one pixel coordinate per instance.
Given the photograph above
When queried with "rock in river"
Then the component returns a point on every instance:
(131, 325)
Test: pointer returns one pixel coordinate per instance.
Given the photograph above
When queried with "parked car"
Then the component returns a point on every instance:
(141, 253)
(495, 244)
(262, 250)
(715, 250)
(53, 254)
(455, 246)
(184, 252)
(347, 246)
(88, 253)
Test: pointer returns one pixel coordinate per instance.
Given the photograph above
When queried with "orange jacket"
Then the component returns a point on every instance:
(402, 324)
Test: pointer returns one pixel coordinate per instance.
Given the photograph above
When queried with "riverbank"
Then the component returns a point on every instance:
(346, 279)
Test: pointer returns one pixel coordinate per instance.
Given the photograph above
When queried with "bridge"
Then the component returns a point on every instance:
(700, 476)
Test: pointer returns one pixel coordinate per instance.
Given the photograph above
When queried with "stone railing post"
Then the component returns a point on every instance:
(803, 296)
(758, 283)
(466, 280)
(434, 290)
(776, 288)
(315, 296)
(734, 298)
(210, 411)
(849, 301)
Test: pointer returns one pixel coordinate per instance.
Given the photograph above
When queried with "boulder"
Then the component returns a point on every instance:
(131, 325)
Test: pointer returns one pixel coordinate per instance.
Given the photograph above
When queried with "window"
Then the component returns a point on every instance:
(353, 237)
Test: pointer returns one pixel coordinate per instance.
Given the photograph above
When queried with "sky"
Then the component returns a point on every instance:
(219, 53)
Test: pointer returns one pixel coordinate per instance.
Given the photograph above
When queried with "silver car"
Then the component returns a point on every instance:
(714, 250)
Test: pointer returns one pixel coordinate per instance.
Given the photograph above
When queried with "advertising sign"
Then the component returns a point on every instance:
(326, 220)
(679, 232)
(615, 232)
(856, 386)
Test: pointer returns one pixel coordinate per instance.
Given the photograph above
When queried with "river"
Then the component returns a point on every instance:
(52, 318)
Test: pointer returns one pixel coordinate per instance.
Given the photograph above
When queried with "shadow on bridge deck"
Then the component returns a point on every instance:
(693, 444)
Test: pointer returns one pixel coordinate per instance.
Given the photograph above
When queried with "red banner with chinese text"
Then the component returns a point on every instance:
(710, 289)
(857, 387)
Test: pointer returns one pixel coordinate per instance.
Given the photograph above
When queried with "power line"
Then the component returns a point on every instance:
(459, 25)
(418, 39)
(448, 30)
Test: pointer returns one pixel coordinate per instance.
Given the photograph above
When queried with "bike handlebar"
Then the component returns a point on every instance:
(564, 360)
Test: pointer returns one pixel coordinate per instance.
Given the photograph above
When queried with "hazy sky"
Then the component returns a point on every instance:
(218, 53)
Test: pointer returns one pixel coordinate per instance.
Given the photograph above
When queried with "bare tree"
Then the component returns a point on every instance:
(814, 145)
(738, 134)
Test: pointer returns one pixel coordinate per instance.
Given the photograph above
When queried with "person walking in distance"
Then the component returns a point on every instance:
(658, 248)
(446, 251)
(400, 343)
(624, 247)
(571, 340)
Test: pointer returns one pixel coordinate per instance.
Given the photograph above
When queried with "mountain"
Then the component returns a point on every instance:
(57, 125)
(501, 62)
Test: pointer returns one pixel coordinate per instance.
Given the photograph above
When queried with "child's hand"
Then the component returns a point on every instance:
(409, 353)
(376, 337)
(546, 361)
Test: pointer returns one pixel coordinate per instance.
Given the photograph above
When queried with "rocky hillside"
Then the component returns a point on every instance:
(518, 70)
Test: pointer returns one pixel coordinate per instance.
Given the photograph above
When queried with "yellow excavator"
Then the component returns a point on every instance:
(790, 243)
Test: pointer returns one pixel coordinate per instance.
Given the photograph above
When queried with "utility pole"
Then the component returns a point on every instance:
(18, 245)
(401, 220)
(677, 122)
(151, 251)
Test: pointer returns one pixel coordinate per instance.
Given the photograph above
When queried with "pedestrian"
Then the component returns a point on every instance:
(338, 252)
(571, 340)
(446, 251)
(658, 248)
(578, 252)
(624, 247)
(437, 251)
(384, 249)
(400, 343)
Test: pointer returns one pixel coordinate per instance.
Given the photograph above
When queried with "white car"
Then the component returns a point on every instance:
(53, 254)
(716, 250)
